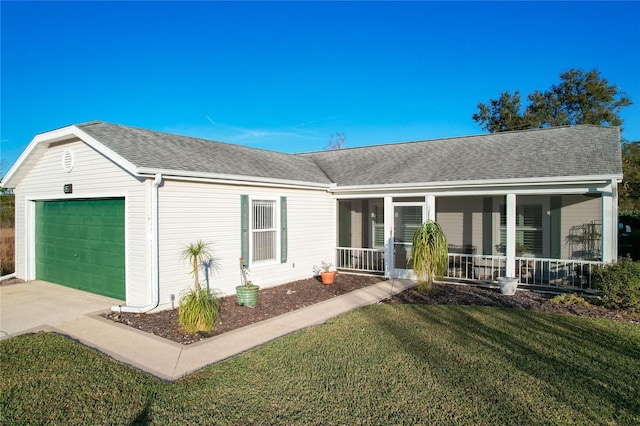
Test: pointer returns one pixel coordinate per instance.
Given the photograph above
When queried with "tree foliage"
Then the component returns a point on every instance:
(7, 206)
(629, 197)
(581, 97)
(337, 141)
(197, 253)
(502, 114)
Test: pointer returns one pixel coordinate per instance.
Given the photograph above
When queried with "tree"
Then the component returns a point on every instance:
(502, 114)
(337, 141)
(580, 98)
(630, 187)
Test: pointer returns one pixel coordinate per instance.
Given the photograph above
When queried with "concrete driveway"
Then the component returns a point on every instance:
(38, 305)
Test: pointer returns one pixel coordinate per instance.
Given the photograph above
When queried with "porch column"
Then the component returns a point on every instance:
(610, 223)
(511, 235)
(431, 207)
(388, 236)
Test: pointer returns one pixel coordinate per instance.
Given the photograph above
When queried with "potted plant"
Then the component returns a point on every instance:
(429, 254)
(508, 285)
(247, 293)
(328, 274)
(198, 308)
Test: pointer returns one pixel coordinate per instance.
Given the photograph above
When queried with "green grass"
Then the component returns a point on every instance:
(385, 364)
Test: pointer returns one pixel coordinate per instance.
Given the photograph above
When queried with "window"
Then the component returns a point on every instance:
(528, 229)
(263, 223)
(377, 225)
(264, 230)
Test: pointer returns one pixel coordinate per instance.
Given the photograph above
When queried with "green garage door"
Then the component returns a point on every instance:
(80, 244)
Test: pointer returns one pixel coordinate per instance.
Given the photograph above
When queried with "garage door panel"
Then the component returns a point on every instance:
(80, 244)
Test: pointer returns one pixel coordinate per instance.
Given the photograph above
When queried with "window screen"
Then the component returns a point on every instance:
(264, 230)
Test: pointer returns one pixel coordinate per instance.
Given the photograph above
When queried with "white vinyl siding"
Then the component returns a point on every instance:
(212, 212)
(264, 230)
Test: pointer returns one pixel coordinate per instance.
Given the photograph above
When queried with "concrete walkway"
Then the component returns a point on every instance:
(35, 306)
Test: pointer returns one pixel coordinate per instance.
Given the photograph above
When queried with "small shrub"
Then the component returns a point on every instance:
(619, 284)
(199, 308)
(569, 299)
(198, 311)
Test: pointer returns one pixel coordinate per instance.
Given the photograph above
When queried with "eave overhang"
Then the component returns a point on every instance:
(542, 185)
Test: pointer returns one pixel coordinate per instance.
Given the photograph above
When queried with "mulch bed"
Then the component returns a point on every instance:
(288, 297)
(272, 302)
(452, 294)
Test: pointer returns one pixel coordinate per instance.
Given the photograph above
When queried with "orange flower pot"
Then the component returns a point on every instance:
(328, 277)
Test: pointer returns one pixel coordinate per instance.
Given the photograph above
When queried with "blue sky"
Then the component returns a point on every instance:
(286, 76)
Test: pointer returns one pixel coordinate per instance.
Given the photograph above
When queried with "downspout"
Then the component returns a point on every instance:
(155, 278)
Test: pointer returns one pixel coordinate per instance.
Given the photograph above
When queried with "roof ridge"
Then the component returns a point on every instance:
(451, 138)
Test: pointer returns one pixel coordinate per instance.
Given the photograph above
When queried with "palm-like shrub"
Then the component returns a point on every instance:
(198, 311)
(199, 308)
(197, 253)
(429, 254)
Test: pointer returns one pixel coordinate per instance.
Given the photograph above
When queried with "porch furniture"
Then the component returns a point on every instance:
(461, 266)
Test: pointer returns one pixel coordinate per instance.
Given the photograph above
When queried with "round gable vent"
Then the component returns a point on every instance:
(67, 160)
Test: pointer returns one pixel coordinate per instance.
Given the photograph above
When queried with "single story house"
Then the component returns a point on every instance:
(108, 208)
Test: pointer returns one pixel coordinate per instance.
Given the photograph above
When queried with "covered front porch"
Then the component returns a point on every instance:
(547, 239)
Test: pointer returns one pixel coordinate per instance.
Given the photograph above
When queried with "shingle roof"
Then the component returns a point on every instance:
(164, 151)
(582, 150)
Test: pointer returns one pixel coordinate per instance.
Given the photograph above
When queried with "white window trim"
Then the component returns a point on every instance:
(278, 237)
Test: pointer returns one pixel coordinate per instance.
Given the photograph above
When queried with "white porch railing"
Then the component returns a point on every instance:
(560, 274)
(476, 267)
(555, 274)
(360, 259)
(552, 274)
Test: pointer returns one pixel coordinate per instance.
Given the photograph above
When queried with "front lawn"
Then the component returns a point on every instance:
(384, 364)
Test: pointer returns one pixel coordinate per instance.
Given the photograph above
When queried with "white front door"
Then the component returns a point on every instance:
(406, 219)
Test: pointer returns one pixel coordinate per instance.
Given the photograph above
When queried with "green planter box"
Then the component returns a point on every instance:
(247, 296)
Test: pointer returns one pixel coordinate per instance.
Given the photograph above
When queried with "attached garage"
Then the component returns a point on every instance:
(80, 244)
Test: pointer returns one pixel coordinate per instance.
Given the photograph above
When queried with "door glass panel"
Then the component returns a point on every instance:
(406, 221)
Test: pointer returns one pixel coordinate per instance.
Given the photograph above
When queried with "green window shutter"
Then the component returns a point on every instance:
(244, 228)
(283, 229)
(556, 227)
(487, 227)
